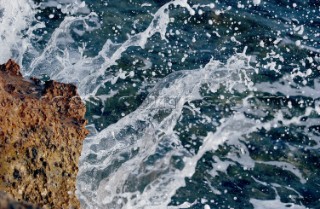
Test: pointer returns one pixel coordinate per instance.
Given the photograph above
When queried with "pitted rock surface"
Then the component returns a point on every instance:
(42, 128)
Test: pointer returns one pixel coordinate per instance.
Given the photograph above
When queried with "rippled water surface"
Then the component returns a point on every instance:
(191, 104)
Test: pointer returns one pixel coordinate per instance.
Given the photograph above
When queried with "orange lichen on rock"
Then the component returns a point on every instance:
(42, 128)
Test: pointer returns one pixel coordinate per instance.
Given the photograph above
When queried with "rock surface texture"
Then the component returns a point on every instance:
(6, 202)
(42, 128)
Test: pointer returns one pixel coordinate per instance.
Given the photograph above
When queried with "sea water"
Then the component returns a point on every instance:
(191, 104)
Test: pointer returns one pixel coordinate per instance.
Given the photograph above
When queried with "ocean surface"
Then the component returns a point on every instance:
(191, 103)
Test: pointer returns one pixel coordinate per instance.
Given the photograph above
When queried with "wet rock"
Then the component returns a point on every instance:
(42, 127)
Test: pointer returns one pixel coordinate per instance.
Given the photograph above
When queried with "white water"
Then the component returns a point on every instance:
(16, 16)
(122, 150)
(134, 156)
(89, 72)
(140, 132)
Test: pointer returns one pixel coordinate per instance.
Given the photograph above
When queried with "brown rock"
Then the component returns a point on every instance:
(8, 202)
(41, 132)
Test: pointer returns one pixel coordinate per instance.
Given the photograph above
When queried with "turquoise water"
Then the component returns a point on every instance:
(191, 104)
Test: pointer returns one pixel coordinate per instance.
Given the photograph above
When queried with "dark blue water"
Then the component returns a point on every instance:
(191, 104)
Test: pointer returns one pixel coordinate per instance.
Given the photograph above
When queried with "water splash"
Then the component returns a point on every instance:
(16, 30)
(140, 148)
(143, 160)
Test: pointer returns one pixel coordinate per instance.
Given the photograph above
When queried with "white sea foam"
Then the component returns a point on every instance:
(276, 203)
(16, 28)
(67, 6)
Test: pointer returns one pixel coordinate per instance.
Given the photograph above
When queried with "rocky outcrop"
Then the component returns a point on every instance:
(42, 127)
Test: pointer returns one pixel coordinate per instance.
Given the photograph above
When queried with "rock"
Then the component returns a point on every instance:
(42, 128)
(8, 202)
